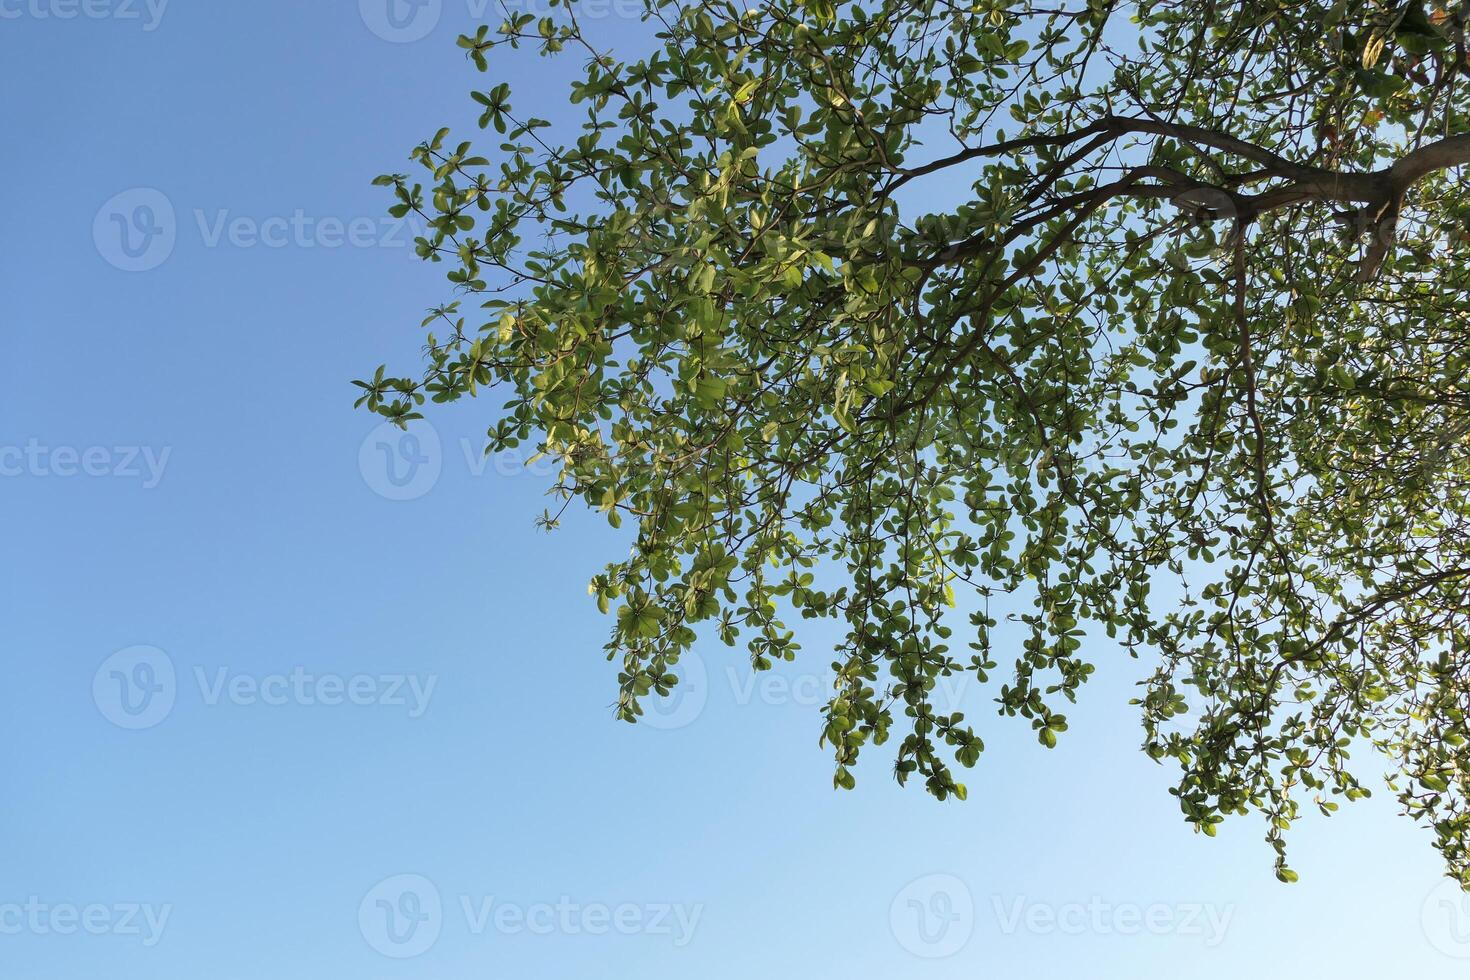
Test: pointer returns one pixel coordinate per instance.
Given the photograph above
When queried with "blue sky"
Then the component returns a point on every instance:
(291, 697)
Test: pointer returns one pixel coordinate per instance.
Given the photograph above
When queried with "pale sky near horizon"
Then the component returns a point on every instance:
(290, 696)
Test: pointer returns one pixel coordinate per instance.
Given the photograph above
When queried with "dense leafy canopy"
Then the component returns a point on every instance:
(1149, 318)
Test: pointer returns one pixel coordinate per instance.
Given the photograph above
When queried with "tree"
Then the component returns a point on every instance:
(1192, 308)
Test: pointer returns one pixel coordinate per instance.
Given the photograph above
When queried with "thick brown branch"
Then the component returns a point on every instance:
(1379, 193)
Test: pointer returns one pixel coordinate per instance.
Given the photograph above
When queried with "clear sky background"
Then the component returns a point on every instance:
(287, 697)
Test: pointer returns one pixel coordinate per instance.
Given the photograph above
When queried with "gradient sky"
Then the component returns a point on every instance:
(290, 697)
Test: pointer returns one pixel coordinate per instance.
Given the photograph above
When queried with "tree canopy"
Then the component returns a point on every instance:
(1138, 321)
